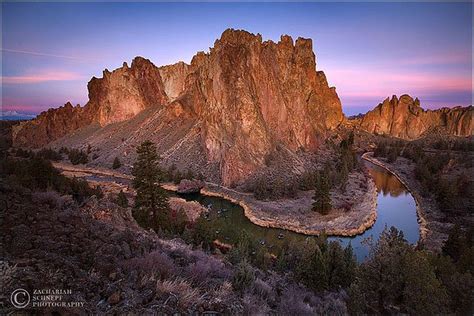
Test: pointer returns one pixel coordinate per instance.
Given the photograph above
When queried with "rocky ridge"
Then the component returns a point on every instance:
(232, 107)
(117, 96)
(404, 118)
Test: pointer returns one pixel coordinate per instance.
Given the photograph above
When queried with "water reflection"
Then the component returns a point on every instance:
(386, 183)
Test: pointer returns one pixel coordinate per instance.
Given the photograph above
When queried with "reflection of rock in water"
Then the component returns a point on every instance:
(387, 183)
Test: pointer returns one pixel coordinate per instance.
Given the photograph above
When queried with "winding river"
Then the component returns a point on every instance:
(395, 207)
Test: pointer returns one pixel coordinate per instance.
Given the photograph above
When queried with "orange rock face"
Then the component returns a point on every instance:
(404, 118)
(116, 97)
(174, 78)
(123, 93)
(50, 125)
(252, 95)
(245, 97)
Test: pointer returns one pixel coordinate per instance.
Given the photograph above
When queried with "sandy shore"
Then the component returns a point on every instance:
(433, 230)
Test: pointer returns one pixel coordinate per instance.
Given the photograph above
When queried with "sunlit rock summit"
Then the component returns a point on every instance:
(226, 112)
(404, 118)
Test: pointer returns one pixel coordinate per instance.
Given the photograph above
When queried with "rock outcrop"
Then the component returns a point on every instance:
(123, 93)
(252, 96)
(174, 78)
(50, 125)
(116, 97)
(404, 118)
(190, 186)
(234, 105)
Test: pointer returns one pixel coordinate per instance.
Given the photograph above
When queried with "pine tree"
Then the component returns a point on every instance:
(322, 198)
(122, 199)
(116, 164)
(350, 266)
(344, 174)
(315, 271)
(335, 256)
(151, 207)
(453, 247)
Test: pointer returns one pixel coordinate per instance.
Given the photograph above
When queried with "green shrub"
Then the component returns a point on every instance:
(116, 164)
(122, 200)
(243, 277)
(77, 156)
(38, 174)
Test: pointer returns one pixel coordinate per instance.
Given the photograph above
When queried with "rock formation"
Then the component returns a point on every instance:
(50, 125)
(190, 186)
(252, 95)
(404, 118)
(123, 93)
(117, 96)
(228, 110)
(174, 78)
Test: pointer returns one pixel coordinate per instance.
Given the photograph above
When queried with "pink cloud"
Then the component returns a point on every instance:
(363, 83)
(41, 77)
(20, 108)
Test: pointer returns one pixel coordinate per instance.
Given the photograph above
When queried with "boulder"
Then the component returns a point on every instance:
(190, 186)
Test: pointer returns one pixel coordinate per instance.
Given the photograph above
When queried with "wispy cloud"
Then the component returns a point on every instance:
(450, 58)
(371, 82)
(17, 51)
(41, 77)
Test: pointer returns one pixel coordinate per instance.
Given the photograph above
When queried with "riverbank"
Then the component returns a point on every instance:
(112, 182)
(433, 228)
(296, 214)
(354, 211)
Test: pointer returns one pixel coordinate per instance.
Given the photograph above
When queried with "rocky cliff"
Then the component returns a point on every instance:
(116, 97)
(123, 93)
(174, 78)
(404, 118)
(234, 106)
(252, 96)
(50, 125)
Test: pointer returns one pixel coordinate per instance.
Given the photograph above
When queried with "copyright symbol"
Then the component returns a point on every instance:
(20, 298)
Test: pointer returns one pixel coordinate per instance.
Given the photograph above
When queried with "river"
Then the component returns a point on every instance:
(395, 207)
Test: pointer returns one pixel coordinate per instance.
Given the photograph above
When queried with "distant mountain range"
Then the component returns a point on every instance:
(14, 115)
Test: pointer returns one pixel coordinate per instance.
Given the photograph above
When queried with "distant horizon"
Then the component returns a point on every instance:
(420, 49)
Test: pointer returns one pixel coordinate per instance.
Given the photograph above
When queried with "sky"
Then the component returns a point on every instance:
(368, 51)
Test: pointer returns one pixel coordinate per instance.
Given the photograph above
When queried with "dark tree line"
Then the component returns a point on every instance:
(173, 174)
(38, 174)
(274, 188)
(452, 193)
(397, 278)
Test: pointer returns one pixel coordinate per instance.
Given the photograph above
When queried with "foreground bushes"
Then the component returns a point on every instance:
(396, 278)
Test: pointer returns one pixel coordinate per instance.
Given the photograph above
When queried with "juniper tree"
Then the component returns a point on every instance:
(151, 202)
(122, 199)
(116, 164)
(322, 199)
(313, 270)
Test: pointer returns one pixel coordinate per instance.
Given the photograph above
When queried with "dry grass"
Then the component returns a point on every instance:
(186, 295)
